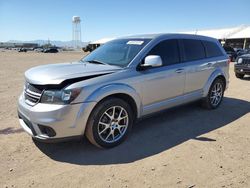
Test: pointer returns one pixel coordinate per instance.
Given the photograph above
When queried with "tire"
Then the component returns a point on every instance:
(104, 129)
(215, 94)
(238, 75)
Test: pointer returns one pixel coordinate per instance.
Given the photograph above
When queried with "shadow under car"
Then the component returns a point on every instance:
(152, 135)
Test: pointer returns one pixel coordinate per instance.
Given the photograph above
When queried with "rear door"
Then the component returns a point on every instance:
(197, 67)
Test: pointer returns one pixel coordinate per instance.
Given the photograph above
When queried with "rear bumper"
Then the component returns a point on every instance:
(242, 69)
(48, 122)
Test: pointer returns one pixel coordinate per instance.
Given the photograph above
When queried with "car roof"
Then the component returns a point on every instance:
(165, 35)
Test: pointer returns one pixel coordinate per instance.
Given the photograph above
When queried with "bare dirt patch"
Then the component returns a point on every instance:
(182, 147)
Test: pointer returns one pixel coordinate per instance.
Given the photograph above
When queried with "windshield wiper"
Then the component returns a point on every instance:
(97, 62)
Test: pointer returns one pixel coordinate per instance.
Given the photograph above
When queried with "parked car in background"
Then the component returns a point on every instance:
(50, 50)
(38, 50)
(230, 52)
(237, 49)
(22, 50)
(95, 44)
(242, 66)
(242, 52)
(103, 94)
(88, 48)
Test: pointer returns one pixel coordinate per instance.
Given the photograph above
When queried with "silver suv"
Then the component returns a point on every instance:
(103, 94)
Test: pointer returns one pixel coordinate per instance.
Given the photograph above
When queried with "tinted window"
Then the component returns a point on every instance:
(168, 50)
(193, 49)
(212, 49)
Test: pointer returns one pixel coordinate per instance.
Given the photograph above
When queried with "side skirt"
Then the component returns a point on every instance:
(156, 107)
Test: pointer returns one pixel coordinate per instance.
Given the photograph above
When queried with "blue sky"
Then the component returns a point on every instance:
(43, 19)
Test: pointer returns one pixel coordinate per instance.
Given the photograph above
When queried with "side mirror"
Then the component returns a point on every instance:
(152, 61)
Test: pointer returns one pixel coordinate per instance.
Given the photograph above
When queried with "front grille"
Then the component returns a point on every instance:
(31, 98)
(246, 61)
(32, 94)
(33, 88)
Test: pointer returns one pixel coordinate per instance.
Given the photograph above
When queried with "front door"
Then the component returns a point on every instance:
(166, 82)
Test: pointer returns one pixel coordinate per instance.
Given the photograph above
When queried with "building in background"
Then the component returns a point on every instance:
(18, 45)
(95, 44)
(236, 37)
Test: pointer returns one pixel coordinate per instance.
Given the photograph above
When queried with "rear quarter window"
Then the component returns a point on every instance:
(212, 49)
(193, 50)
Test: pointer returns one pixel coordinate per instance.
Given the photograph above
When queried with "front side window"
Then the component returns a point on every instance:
(193, 49)
(119, 52)
(168, 50)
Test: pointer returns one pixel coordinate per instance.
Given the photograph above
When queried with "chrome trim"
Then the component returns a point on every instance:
(31, 94)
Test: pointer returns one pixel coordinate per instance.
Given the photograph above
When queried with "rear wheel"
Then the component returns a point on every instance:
(109, 123)
(238, 75)
(215, 94)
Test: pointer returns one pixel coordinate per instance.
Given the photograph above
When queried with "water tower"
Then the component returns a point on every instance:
(76, 31)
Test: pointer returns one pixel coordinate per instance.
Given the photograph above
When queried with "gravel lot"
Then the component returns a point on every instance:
(182, 147)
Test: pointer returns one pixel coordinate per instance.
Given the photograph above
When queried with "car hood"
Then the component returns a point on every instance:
(245, 56)
(57, 73)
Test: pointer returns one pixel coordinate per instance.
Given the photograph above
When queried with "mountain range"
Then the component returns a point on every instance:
(53, 42)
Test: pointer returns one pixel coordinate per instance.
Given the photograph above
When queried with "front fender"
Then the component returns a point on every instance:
(116, 88)
(213, 76)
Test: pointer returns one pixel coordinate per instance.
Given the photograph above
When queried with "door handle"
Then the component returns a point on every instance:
(179, 70)
(209, 64)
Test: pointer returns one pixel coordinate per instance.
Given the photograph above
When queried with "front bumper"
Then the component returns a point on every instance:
(242, 69)
(54, 122)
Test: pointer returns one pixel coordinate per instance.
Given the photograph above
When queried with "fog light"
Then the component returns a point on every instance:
(48, 131)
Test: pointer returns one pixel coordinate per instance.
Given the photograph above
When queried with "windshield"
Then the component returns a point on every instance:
(118, 52)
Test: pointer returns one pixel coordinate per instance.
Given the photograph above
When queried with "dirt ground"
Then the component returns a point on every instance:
(182, 147)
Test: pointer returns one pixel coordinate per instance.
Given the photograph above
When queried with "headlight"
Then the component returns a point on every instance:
(59, 96)
(239, 60)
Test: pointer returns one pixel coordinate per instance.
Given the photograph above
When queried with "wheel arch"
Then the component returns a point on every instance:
(216, 74)
(121, 91)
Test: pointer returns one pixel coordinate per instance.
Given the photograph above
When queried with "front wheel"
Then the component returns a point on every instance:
(215, 94)
(109, 123)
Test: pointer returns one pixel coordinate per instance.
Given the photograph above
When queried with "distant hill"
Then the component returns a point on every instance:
(53, 42)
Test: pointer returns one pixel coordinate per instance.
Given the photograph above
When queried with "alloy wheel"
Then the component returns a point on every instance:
(216, 94)
(113, 124)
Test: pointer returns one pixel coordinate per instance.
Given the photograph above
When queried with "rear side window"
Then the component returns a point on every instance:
(193, 49)
(212, 49)
(168, 50)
